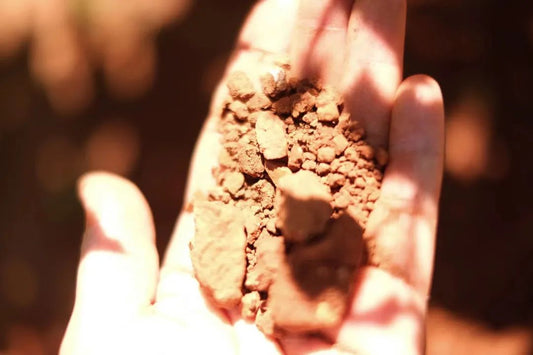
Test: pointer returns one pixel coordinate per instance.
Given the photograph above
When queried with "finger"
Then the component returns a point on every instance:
(119, 264)
(252, 341)
(118, 269)
(265, 36)
(402, 226)
(319, 37)
(374, 63)
(386, 317)
(180, 299)
(268, 26)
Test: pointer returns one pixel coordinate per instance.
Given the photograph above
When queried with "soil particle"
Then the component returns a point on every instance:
(250, 303)
(249, 161)
(271, 136)
(328, 113)
(326, 154)
(240, 86)
(233, 181)
(258, 102)
(239, 109)
(276, 170)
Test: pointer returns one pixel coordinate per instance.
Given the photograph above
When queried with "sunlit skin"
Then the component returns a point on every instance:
(127, 304)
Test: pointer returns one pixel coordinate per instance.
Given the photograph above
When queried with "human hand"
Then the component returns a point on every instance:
(125, 304)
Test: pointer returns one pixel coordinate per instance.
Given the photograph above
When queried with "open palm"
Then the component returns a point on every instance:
(126, 304)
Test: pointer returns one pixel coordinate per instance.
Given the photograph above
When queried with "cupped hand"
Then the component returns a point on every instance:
(127, 304)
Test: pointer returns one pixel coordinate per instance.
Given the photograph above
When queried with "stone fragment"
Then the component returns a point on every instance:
(340, 143)
(258, 102)
(240, 109)
(252, 225)
(262, 192)
(218, 251)
(304, 206)
(310, 118)
(271, 227)
(309, 156)
(351, 154)
(342, 199)
(233, 181)
(302, 103)
(271, 136)
(240, 86)
(249, 160)
(295, 157)
(328, 113)
(322, 169)
(250, 303)
(276, 170)
(326, 154)
(366, 151)
(336, 180)
(309, 165)
(274, 83)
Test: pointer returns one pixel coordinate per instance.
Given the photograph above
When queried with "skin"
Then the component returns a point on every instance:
(127, 304)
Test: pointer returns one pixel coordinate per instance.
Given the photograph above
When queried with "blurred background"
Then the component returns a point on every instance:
(124, 86)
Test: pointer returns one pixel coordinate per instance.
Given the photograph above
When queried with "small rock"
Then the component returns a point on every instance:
(258, 102)
(233, 182)
(310, 117)
(328, 113)
(252, 225)
(341, 143)
(276, 170)
(351, 154)
(302, 103)
(304, 206)
(309, 156)
(249, 160)
(295, 157)
(336, 180)
(240, 86)
(271, 136)
(240, 110)
(250, 304)
(366, 152)
(326, 154)
(322, 169)
(309, 165)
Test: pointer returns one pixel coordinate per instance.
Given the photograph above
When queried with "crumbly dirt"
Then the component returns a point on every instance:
(280, 235)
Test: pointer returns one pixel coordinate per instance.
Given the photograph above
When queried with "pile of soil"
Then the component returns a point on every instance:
(281, 234)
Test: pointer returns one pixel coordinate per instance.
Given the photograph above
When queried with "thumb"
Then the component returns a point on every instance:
(118, 269)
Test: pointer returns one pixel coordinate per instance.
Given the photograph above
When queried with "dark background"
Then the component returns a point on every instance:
(481, 52)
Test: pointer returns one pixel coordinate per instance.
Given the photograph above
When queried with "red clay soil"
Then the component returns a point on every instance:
(281, 234)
